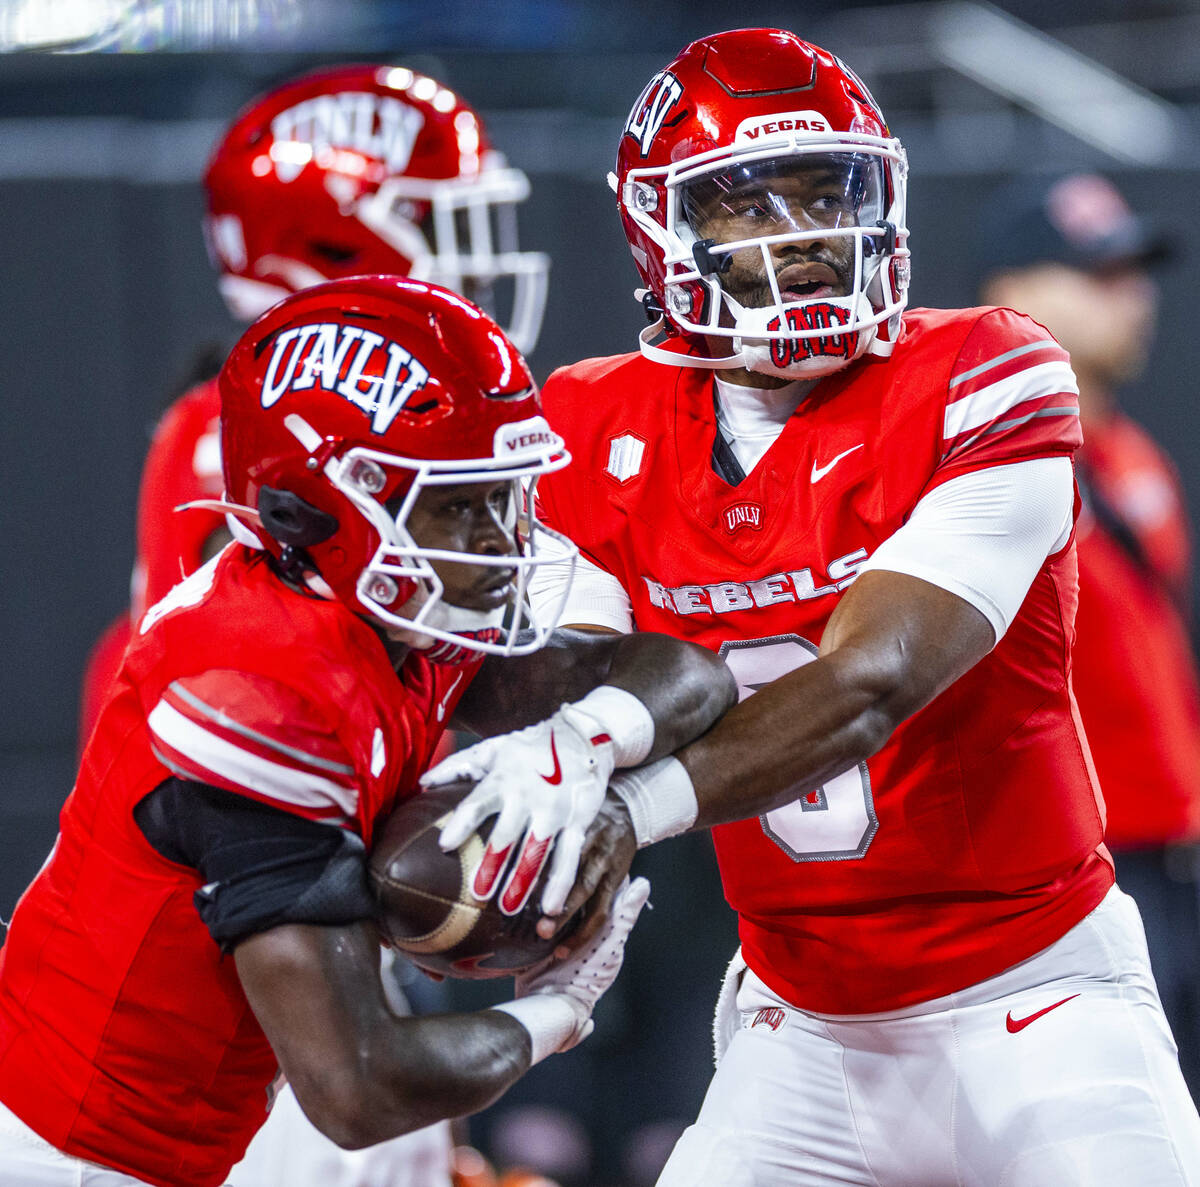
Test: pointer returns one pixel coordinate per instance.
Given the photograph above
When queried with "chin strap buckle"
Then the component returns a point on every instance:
(708, 263)
(885, 245)
(651, 305)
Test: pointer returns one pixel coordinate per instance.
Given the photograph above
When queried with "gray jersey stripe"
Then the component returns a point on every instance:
(226, 722)
(1002, 358)
(1008, 424)
(1020, 420)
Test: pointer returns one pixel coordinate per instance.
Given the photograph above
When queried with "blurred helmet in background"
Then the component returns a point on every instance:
(369, 169)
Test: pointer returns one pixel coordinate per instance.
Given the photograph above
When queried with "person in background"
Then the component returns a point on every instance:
(183, 464)
(351, 169)
(1069, 251)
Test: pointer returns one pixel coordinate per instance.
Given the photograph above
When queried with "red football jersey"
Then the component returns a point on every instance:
(973, 838)
(183, 464)
(1134, 671)
(100, 671)
(125, 1037)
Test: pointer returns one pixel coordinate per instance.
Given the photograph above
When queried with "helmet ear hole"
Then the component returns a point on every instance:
(291, 520)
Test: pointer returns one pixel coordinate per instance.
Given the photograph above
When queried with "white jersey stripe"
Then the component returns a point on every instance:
(171, 760)
(227, 722)
(1044, 344)
(1034, 383)
(230, 762)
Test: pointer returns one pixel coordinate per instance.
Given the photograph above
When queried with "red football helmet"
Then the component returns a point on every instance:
(339, 406)
(369, 169)
(780, 146)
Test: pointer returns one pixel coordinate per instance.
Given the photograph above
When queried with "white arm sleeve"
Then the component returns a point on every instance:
(985, 535)
(596, 597)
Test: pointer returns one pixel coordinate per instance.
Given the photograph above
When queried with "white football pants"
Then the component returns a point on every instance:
(26, 1160)
(1059, 1072)
(289, 1151)
(293, 1153)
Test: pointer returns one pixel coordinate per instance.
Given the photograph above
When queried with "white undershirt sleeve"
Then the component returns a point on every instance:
(596, 597)
(984, 536)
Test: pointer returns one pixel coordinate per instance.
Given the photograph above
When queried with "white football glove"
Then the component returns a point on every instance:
(583, 978)
(545, 784)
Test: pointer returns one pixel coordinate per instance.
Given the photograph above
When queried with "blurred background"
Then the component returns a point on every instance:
(108, 110)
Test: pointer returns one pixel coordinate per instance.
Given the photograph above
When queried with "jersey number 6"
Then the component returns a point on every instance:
(833, 822)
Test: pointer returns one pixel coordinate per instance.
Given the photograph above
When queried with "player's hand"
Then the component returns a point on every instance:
(584, 978)
(545, 785)
(607, 855)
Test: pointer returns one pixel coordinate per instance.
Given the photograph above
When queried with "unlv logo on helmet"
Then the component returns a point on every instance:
(374, 125)
(376, 375)
(813, 315)
(650, 111)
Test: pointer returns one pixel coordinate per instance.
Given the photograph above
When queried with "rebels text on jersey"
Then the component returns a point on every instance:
(973, 838)
(125, 1037)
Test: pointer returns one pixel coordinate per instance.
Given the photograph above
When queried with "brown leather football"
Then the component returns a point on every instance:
(425, 909)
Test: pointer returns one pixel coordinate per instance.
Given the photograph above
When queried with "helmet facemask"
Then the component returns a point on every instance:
(462, 234)
(401, 587)
(793, 249)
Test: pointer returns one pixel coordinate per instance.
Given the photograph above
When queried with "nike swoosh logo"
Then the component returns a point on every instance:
(819, 472)
(441, 709)
(555, 776)
(1016, 1024)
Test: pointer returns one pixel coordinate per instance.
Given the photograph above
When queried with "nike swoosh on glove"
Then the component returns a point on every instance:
(545, 785)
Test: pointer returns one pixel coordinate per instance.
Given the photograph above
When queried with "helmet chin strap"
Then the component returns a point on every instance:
(791, 358)
(754, 351)
(444, 616)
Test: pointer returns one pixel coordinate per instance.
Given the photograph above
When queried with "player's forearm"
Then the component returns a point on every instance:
(786, 740)
(360, 1073)
(894, 643)
(430, 1069)
(793, 735)
(684, 687)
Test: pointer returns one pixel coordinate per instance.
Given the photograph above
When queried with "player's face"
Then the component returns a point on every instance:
(774, 198)
(478, 517)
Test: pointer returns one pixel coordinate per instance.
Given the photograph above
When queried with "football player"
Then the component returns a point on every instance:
(344, 171)
(203, 920)
(869, 512)
(373, 169)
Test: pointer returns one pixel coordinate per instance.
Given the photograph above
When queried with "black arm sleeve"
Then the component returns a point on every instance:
(262, 866)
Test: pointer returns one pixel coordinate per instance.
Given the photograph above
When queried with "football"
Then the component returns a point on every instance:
(425, 909)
